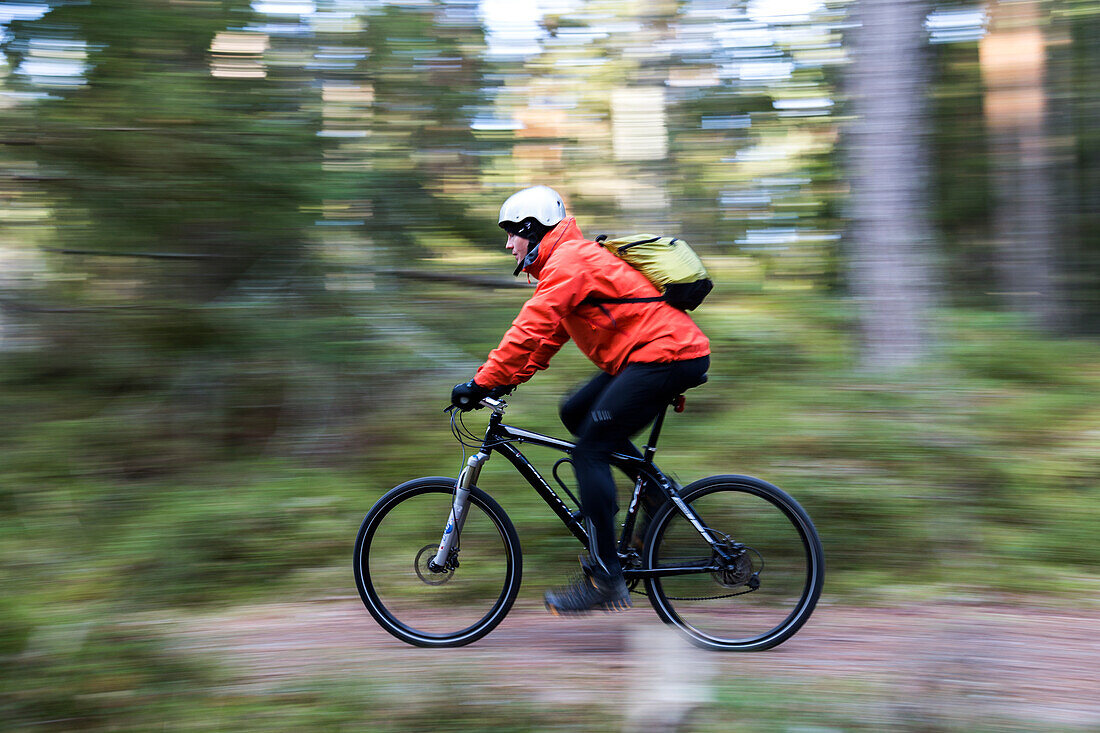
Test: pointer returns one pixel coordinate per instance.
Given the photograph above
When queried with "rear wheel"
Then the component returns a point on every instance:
(439, 607)
(766, 590)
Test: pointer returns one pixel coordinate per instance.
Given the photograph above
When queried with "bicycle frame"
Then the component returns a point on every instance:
(503, 438)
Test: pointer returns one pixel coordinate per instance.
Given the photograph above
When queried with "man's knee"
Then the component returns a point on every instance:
(571, 416)
(574, 409)
(574, 413)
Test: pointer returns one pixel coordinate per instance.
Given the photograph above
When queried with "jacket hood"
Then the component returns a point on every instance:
(565, 231)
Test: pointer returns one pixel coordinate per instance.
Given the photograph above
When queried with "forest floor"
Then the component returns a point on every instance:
(972, 665)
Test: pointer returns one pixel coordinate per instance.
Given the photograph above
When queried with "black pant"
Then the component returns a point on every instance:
(603, 414)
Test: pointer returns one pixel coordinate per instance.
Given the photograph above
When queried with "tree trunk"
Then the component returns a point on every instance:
(891, 234)
(1013, 63)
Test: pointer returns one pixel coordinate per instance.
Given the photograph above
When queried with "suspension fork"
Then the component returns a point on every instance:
(459, 508)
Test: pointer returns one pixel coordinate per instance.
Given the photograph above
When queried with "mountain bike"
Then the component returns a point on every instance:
(731, 561)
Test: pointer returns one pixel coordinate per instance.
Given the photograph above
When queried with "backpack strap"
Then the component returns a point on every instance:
(624, 247)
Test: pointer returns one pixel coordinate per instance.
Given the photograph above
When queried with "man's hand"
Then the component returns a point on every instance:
(497, 392)
(467, 395)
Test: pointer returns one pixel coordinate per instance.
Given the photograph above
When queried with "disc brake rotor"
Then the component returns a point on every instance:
(426, 574)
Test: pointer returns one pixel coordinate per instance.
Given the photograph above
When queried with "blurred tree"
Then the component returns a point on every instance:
(202, 166)
(424, 64)
(189, 164)
(182, 176)
(1078, 105)
(1013, 63)
(752, 93)
(891, 234)
(961, 192)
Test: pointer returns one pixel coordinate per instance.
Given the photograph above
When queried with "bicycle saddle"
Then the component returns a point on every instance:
(679, 401)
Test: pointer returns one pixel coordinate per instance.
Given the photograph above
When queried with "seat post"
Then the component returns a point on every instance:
(651, 444)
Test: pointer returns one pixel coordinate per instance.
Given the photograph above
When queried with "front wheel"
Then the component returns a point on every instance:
(436, 607)
(768, 587)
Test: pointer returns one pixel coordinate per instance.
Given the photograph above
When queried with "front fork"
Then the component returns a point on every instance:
(459, 508)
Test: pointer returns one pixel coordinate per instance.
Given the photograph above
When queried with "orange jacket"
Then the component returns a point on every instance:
(570, 269)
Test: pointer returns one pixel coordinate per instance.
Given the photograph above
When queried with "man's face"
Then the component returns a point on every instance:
(518, 246)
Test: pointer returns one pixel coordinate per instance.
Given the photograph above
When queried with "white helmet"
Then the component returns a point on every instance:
(541, 203)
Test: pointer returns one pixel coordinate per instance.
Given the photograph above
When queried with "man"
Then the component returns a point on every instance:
(648, 352)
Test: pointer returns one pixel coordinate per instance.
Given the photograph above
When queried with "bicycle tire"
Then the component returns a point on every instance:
(390, 556)
(722, 611)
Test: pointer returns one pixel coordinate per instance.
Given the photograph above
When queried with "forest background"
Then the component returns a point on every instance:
(248, 248)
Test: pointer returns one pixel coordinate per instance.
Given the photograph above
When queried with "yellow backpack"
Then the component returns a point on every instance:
(668, 262)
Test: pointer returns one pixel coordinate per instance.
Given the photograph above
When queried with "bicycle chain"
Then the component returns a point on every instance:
(700, 598)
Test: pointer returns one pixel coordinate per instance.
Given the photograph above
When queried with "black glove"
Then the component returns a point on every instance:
(466, 396)
(497, 392)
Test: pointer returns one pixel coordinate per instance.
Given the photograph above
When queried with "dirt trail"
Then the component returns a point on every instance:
(1036, 665)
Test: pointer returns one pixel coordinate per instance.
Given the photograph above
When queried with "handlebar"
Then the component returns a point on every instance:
(496, 405)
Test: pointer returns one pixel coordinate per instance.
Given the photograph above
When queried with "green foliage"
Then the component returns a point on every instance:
(96, 675)
(209, 543)
(154, 154)
(15, 627)
(774, 705)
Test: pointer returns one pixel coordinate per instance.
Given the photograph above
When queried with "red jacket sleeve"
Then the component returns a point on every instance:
(540, 357)
(538, 332)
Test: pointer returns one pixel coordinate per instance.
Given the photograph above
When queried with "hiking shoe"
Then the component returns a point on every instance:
(589, 593)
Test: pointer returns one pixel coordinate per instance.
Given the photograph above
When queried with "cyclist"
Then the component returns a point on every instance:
(648, 352)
